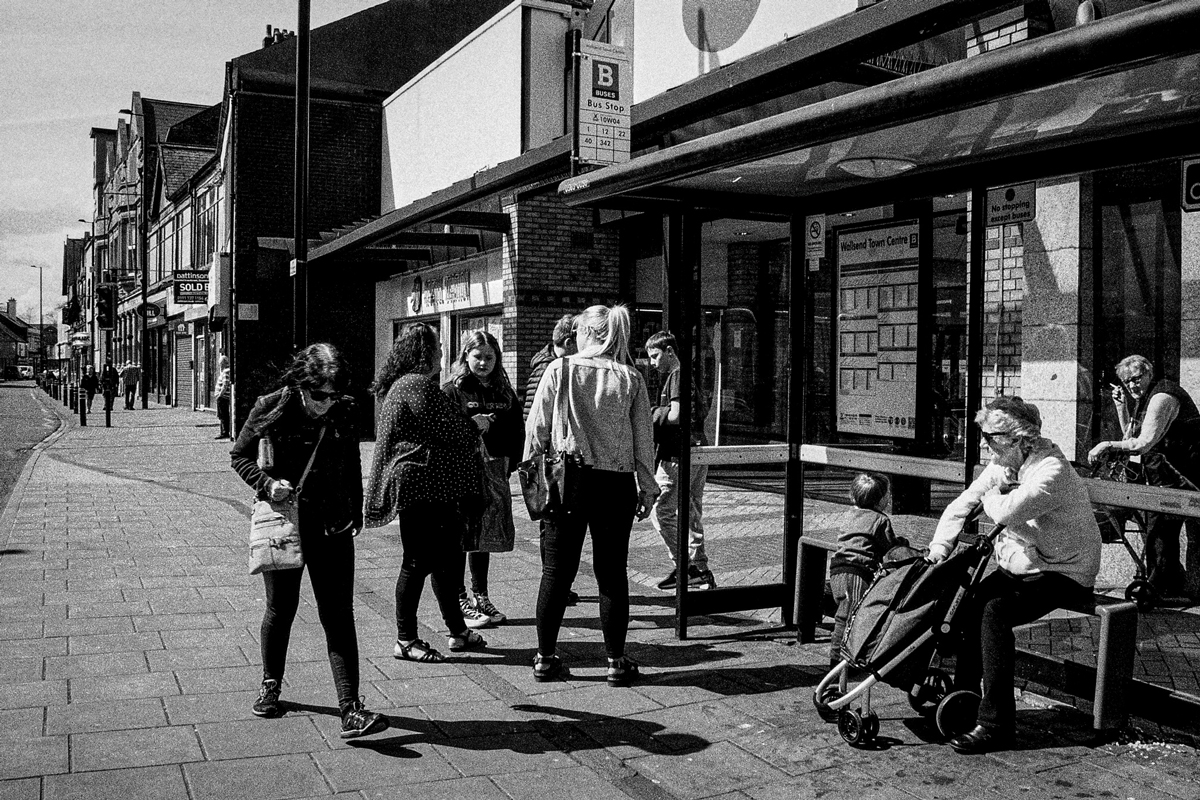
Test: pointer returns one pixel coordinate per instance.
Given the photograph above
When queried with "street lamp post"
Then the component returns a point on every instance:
(41, 323)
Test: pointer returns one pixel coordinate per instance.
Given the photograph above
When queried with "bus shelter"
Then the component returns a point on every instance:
(1011, 223)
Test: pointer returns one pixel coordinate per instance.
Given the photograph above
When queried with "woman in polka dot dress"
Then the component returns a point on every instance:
(424, 468)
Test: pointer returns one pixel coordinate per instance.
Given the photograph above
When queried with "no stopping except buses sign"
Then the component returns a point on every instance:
(1191, 185)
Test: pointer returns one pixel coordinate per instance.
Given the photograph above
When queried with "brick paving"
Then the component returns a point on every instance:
(129, 660)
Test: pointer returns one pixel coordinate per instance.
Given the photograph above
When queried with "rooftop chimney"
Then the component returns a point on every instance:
(12, 307)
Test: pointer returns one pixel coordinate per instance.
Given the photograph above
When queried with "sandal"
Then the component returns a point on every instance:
(466, 640)
(417, 650)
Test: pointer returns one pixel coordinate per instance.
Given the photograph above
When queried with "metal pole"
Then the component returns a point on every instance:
(300, 283)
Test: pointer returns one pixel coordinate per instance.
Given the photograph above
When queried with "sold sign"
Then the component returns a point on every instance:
(1190, 200)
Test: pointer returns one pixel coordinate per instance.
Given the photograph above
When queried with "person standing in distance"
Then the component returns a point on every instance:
(668, 434)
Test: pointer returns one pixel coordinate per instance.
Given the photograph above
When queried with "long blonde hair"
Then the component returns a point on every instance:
(608, 327)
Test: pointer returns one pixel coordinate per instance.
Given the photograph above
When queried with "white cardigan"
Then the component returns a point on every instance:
(1048, 518)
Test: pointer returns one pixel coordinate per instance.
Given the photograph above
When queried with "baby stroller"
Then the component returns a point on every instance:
(899, 633)
(1113, 522)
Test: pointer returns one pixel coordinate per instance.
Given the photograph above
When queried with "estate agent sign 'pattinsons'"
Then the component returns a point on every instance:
(877, 330)
(605, 98)
(191, 286)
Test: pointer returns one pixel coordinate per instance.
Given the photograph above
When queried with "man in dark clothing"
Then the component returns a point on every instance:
(109, 378)
(562, 344)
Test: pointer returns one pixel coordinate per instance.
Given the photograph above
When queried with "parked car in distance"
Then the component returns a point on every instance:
(25, 370)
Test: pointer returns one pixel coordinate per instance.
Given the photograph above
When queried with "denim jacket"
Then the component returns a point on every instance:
(609, 414)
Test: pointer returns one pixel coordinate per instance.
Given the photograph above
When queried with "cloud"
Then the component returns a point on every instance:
(59, 218)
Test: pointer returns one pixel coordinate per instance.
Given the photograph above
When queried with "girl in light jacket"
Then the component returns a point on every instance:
(611, 433)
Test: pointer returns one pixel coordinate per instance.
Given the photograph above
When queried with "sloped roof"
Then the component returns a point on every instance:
(381, 47)
(200, 129)
(180, 163)
(161, 115)
(13, 328)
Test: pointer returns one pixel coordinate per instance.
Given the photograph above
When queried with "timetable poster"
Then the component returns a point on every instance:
(877, 330)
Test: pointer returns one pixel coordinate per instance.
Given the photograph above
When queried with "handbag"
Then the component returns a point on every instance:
(546, 479)
(275, 527)
(492, 529)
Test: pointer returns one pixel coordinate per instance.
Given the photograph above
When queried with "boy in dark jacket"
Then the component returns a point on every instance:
(865, 537)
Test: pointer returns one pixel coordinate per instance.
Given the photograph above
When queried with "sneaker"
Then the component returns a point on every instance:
(622, 671)
(700, 578)
(548, 668)
(473, 618)
(358, 721)
(466, 640)
(667, 584)
(484, 606)
(267, 704)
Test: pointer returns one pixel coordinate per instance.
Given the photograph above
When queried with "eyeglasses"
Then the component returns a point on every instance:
(320, 396)
(991, 437)
(1136, 377)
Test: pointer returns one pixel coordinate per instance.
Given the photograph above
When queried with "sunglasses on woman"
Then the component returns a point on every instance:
(320, 396)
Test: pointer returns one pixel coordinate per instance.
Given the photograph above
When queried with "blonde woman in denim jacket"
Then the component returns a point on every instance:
(610, 430)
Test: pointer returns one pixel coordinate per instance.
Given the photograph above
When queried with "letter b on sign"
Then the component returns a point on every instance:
(606, 80)
(1191, 185)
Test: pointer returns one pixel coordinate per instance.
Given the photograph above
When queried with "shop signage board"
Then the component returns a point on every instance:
(605, 78)
(191, 286)
(1012, 204)
(1191, 184)
(877, 334)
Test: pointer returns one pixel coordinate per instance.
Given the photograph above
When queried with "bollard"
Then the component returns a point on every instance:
(73, 391)
(1114, 665)
(83, 409)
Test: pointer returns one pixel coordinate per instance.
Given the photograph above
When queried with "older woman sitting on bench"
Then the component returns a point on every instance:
(1048, 556)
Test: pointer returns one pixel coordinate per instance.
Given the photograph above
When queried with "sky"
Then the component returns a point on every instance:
(68, 66)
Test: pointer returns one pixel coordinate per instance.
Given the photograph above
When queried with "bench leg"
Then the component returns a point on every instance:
(810, 591)
(1114, 665)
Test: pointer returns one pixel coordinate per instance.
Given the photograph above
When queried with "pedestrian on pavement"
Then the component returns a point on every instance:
(562, 343)
(425, 470)
(1048, 556)
(311, 412)
(129, 383)
(224, 391)
(668, 433)
(1160, 423)
(479, 385)
(90, 383)
(864, 538)
(109, 381)
(610, 433)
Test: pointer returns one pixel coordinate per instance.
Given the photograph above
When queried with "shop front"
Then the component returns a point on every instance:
(852, 278)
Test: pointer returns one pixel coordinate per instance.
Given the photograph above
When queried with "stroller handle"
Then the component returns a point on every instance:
(960, 595)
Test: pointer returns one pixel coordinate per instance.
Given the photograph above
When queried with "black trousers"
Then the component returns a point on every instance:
(432, 535)
(605, 506)
(223, 414)
(329, 561)
(988, 650)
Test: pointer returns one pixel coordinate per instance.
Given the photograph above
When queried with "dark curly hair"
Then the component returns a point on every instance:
(412, 351)
(317, 365)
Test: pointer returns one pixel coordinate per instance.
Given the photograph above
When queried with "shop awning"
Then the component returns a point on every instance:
(1135, 74)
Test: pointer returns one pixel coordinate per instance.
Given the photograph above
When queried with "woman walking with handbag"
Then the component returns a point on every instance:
(603, 420)
(425, 467)
(480, 387)
(306, 433)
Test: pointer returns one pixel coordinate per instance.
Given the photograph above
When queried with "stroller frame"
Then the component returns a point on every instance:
(954, 711)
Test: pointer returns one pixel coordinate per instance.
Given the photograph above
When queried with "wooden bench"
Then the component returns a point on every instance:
(1118, 622)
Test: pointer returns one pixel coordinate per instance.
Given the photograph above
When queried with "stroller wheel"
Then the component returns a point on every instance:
(1141, 593)
(870, 723)
(925, 697)
(826, 713)
(957, 712)
(853, 727)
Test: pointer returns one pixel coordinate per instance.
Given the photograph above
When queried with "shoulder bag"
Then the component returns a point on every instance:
(275, 527)
(548, 478)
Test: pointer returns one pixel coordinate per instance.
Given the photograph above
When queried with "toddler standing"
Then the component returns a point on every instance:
(866, 537)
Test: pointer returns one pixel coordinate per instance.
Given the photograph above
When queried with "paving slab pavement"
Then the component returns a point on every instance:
(129, 660)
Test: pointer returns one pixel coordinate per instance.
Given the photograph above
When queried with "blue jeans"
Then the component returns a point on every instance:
(666, 513)
(848, 588)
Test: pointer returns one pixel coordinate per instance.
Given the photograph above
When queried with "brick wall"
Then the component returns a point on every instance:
(557, 260)
(1003, 301)
(344, 187)
(1001, 30)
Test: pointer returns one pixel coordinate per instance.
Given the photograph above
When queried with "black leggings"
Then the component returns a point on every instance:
(330, 564)
(605, 504)
(432, 535)
(479, 563)
(988, 650)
